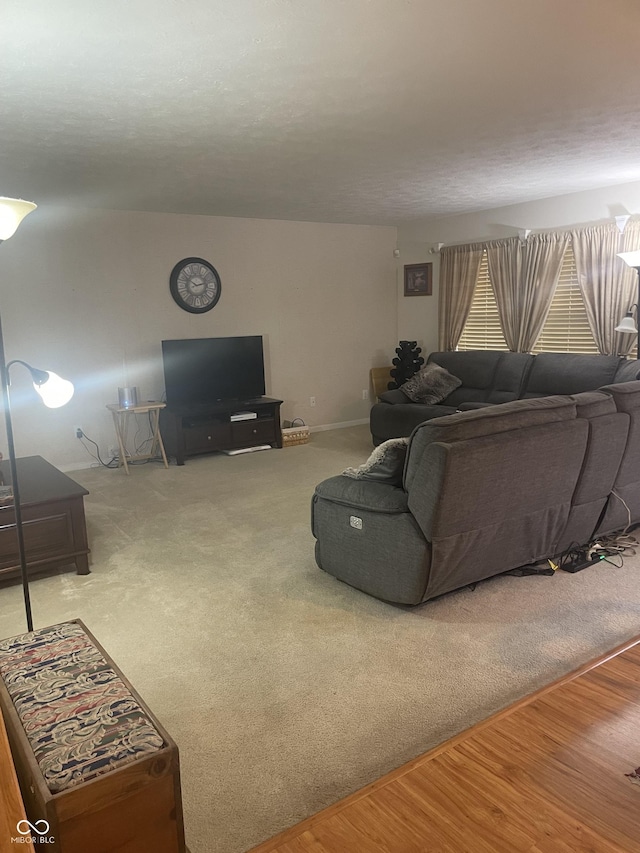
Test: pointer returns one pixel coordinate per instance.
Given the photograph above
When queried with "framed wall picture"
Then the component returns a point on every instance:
(418, 280)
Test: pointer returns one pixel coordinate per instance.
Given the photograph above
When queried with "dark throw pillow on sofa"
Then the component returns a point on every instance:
(385, 464)
(430, 385)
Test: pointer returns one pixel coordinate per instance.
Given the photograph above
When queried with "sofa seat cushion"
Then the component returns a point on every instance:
(78, 715)
(363, 494)
(430, 385)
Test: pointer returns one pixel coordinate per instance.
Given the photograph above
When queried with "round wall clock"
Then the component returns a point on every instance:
(195, 285)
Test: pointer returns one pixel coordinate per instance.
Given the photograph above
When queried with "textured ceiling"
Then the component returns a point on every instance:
(364, 111)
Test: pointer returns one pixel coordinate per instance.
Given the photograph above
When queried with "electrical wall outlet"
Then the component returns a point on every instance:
(312, 401)
(365, 393)
(114, 452)
(77, 431)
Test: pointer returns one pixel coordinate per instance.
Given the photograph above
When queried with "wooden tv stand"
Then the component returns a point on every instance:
(190, 431)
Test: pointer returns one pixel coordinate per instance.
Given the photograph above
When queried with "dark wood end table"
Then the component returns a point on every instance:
(54, 525)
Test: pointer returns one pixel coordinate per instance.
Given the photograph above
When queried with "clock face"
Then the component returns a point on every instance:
(195, 285)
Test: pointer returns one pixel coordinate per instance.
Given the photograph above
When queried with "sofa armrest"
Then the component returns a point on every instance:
(363, 494)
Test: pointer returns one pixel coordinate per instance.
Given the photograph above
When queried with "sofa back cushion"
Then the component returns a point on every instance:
(488, 376)
(494, 501)
(606, 442)
(492, 420)
(510, 376)
(569, 373)
(476, 369)
(628, 370)
(608, 432)
(624, 503)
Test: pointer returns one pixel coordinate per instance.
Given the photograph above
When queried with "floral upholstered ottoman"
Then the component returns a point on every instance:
(92, 761)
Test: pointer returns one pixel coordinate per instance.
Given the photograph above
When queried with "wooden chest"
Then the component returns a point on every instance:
(135, 807)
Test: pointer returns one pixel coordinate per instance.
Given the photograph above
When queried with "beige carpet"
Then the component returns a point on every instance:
(285, 689)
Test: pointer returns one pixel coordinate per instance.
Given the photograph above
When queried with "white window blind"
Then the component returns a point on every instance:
(566, 328)
(482, 329)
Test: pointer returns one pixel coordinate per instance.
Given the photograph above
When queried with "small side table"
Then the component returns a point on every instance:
(120, 421)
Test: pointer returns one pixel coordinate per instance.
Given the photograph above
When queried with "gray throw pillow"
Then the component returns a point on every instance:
(386, 463)
(430, 385)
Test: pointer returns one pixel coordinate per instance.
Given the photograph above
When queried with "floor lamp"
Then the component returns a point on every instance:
(628, 324)
(53, 390)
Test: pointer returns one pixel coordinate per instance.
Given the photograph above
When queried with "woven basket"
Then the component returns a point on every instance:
(295, 435)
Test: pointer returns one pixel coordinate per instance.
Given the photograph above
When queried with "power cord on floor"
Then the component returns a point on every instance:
(603, 549)
(617, 545)
(610, 549)
(114, 462)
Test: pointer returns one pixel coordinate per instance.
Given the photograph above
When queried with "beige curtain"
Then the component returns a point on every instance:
(542, 261)
(459, 267)
(504, 259)
(609, 287)
(524, 277)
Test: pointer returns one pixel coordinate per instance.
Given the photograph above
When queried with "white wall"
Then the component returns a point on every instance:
(86, 294)
(416, 315)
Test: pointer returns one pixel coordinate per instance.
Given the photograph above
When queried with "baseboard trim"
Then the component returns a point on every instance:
(80, 466)
(76, 466)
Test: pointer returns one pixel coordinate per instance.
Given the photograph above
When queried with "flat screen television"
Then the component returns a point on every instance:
(203, 371)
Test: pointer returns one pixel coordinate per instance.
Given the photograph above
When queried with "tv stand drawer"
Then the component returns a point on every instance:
(256, 431)
(206, 437)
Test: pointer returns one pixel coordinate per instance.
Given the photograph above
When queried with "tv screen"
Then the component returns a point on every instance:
(201, 371)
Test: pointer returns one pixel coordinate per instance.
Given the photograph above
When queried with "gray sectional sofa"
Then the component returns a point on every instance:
(490, 377)
(486, 491)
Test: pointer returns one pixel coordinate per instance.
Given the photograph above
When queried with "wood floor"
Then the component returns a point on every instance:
(546, 775)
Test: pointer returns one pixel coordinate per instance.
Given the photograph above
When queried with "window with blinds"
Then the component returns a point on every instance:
(566, 328)
(482, 329)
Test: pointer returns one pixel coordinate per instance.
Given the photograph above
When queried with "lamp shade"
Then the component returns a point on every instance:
(632, 259)
(54, 390)
(12, 212)
(627, 324)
